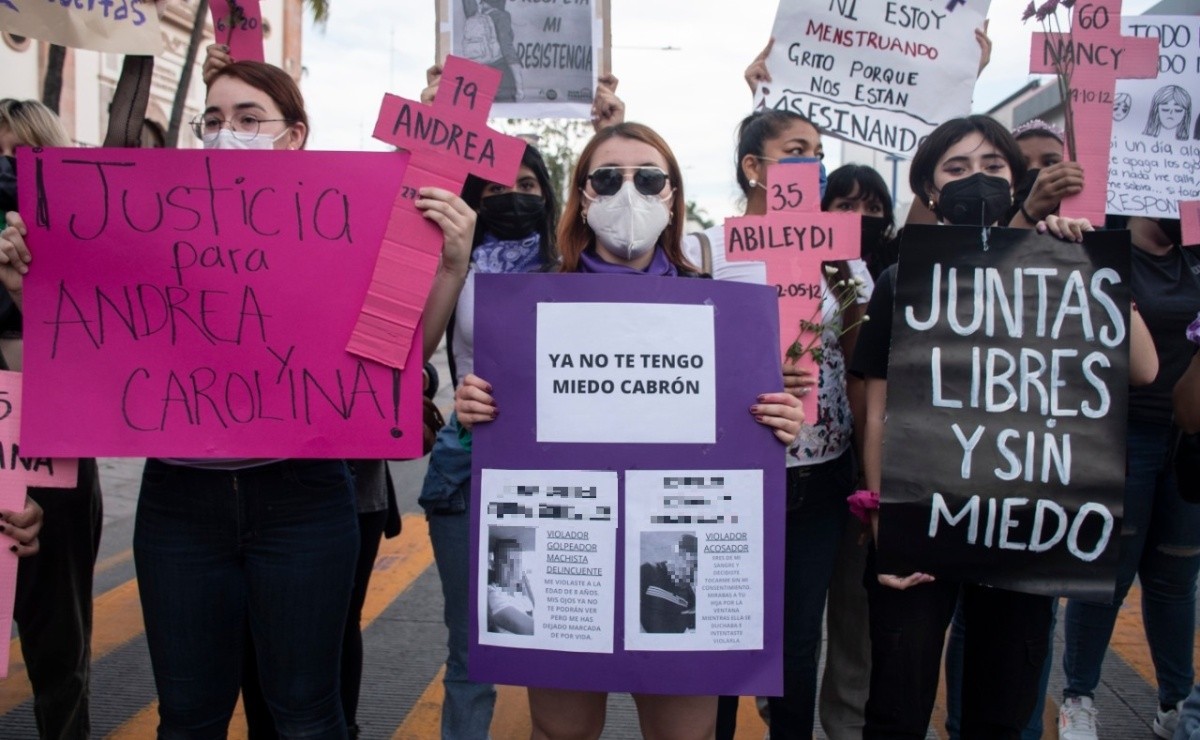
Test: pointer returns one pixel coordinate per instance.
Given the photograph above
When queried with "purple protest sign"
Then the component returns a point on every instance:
(196, 304)
(628, 510)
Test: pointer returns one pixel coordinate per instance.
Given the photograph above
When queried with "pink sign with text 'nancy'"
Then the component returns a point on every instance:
(197, 304)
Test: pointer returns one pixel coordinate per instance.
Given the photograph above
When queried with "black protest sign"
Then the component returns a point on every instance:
(1004, 449)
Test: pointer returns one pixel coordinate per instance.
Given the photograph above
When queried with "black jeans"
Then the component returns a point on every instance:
(1006, 642)
(816, 517)
(53, 607)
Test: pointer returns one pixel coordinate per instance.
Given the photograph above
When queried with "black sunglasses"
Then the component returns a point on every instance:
(608, 180)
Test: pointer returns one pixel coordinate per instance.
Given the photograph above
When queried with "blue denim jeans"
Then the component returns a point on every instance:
(1160, 543)
(467, 706)
(273, 547)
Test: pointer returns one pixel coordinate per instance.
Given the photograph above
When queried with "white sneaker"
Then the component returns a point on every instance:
(1077, 719)
(1166, 722)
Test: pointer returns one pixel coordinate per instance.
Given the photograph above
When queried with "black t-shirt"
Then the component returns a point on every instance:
(1167, 291)
(875, 336)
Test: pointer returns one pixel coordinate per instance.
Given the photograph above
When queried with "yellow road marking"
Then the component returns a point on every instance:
(117, 619)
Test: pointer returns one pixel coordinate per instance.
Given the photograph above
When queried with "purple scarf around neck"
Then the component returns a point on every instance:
(589, 261)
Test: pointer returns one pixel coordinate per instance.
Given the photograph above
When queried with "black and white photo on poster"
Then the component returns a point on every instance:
(693, 559)
(549, 53)
(547, 559)
(510, 598)
(668, 582)
(1004, 443)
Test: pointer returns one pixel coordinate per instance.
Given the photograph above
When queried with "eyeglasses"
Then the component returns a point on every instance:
(608, 180)
(244, 127)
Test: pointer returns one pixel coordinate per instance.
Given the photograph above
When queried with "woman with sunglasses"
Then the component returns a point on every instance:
(221, 544)
(966, 166)
(624, 215)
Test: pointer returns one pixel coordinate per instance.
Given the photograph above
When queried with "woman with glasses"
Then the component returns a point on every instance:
(624, 216)
(222, 544)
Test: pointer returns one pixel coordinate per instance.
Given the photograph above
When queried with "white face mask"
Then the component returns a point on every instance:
(226, 140)
(628, 223)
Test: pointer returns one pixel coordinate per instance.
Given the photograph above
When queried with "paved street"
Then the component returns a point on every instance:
(405, 645)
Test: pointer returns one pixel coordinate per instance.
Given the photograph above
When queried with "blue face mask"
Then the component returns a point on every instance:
(821, 176)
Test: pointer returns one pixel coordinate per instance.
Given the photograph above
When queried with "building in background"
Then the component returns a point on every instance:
(1039, 98)
(90, 77)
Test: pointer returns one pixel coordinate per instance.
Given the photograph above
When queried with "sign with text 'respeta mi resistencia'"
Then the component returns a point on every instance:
(1004, 452)
(881, 73)
(197, 303)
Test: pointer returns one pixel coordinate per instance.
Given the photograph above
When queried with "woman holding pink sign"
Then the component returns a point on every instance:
(225, 543)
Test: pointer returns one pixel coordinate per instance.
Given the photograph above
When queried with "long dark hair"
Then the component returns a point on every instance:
(924, 162)
(845, 179)
(473, 195)
(755, 130)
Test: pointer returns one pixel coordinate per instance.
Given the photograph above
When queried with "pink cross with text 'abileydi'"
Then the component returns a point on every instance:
(449, 140)
(16, 475)
(794, 239)
(1099, 55)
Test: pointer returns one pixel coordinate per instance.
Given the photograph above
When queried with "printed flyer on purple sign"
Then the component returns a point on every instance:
(627, 509)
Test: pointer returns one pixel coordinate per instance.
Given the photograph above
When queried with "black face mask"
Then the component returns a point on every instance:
(512, 215)
(1173, 228)
(978, 200)
(8, 185)
(874, 230)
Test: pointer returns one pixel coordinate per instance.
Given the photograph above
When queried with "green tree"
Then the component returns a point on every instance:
(559, 140)
(696, 214)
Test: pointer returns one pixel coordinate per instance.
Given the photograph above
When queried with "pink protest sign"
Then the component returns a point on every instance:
(448, 140)
(238, 25)
(196, 304)
(1189, 219)
(794, 239)
(16, 475)
(1094, 55)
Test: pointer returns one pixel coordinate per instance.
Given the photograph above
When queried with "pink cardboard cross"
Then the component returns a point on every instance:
(794, 239)
(1189, 218)
(16, 475)
(448, 140)
(238, 25)
(1100, 56)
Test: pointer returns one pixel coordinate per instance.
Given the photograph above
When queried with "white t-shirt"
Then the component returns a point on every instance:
(817, 442)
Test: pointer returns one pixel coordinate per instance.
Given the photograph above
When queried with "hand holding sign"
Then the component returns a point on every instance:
(794, 239)
(238, 25)
(448, 140)
(15, 478)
